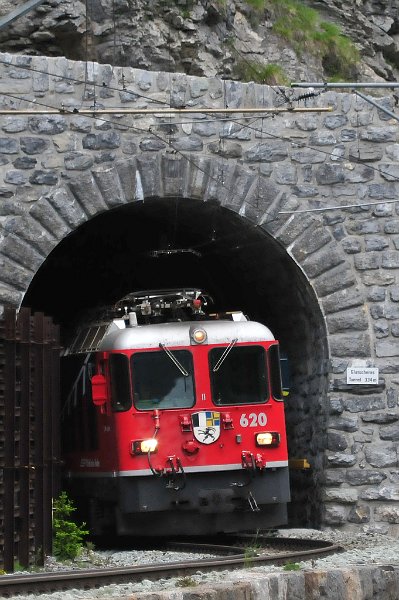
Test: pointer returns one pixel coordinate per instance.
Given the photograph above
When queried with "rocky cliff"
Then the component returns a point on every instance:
(226, 38)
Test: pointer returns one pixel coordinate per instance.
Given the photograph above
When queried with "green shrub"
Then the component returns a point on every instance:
(68, 536)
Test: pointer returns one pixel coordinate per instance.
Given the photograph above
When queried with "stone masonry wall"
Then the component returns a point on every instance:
(58, 171)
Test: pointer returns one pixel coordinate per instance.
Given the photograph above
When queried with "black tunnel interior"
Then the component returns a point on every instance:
(172, 243)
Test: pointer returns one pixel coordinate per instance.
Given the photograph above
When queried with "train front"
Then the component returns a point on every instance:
(190, 433)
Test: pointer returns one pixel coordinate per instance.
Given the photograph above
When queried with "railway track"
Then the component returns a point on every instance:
(234, 553)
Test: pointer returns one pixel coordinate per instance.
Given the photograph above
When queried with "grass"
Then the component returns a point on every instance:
(186, 582)
(250, 70)
(292, 567)
(304, 29)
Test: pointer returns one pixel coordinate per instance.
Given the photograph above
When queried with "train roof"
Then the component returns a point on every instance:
(116, 336)
(179, 334)
(149, 318)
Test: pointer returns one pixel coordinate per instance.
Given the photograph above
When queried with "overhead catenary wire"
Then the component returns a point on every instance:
(319, 209)
(150, 131)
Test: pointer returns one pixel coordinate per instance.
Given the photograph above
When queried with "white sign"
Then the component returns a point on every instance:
(362, 375)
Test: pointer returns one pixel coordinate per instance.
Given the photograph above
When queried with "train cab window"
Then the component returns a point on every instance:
(120, 384)
(239, 378)
(161, 382)
(275, 372)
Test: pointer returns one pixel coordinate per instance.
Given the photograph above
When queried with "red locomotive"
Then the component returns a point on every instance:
(173, 419)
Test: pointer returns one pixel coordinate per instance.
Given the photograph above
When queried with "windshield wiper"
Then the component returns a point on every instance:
(224, 355)
(174, 360)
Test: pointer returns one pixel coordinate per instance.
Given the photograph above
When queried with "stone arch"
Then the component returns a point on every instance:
(29, 237)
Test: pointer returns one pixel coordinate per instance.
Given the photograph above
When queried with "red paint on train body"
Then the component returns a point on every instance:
(172, 421)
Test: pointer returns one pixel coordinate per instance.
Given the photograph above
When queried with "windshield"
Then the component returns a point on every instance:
(241, 378)
(159, 383)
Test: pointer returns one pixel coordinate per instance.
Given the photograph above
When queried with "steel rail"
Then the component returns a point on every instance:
(11, 585)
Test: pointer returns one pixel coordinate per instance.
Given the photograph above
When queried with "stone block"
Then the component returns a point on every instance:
(367, 261)
(350, 320)
(366, 153)
(234, 131)
(352, 245)
(78, 161)
(322, 138)
(227, 150)
(342, 299)
(265, 152)
(335, 514)
(360, 404)
(361, 174)
(33, 145)
(67, 207)
(47, 125)
(106, 140)
(87, 194)
(330, 174)
(384, 492)
(16, 177)
(348, 423)
(333, 477)
(381, 455)
(390, 260)
(341, 494)
(389, 514)
(21, 251)
(386, 348)
(380, 191)
(376, 244)
(14, 275)
(307, 156)
(381, 417)
(340, 459)
(336, 406)
(187, 143)
(379, 134)
(335, 121)
(376, 294)
(337, 279)
(325, 259)
(336, 442)
(359, 514)
(364, 477)
(378, 278)
(43, 212)
(392, 226)
(173, 174)
(390, 432)
(148, 178)
(356, 345)
(107, 180)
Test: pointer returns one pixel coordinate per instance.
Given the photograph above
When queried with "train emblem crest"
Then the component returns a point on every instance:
(206, 426)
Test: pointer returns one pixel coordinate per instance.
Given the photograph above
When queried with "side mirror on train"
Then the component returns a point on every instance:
(99, 390)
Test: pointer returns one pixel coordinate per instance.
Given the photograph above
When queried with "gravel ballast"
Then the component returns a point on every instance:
(368, 568)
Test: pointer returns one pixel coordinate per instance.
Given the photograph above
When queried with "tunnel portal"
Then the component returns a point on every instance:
(177, 243)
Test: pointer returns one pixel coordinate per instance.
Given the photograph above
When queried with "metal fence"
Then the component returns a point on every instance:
(29, 436)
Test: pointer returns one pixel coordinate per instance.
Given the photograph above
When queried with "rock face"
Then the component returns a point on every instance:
(200, 37)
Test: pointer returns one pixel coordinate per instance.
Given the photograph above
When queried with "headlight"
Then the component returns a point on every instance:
(144, 446)
(198, 336)
(268, 438)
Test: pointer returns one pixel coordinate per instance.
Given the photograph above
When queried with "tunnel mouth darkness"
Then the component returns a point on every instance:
(177, 242)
